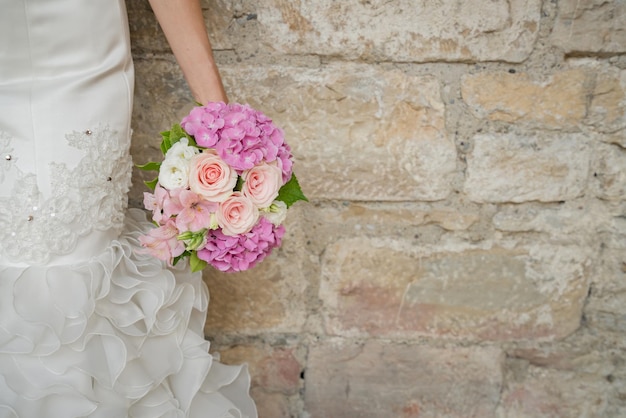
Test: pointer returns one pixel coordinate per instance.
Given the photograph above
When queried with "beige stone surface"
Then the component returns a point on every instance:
(375, 288)
(548, 393)
(378, 380)
(275, 373)
(465, 165)
(403, 30)
(263, 298)
(358, 132)
(609, 173)
(514, 168)
(575, 220)
(273, 369)
(607, 108)
(595, 26)
(555, 102)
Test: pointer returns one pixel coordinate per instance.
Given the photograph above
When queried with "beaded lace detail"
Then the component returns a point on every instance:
(88, 197)
(7, 160)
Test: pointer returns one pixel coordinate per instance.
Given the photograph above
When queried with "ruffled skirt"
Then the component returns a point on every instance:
(118, 336)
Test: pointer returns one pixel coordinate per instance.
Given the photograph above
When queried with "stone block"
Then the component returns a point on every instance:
(568, 219)
(514, 168)
(379, 288)
(557, 102)
(609, 173)
(403, 31)
(591, 26)
(607, 108)
(147, 36)
(275, 373)
(546, 393)
(605, 309)
(272, 369)
(379, 380)
(270, 298)
(358, 132)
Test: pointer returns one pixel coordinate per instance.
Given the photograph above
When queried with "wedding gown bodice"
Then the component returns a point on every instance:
(66, 80)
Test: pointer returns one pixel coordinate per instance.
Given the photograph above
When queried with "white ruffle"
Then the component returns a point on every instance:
(120, 335)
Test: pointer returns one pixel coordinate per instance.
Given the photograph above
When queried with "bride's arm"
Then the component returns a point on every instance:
(183, 25)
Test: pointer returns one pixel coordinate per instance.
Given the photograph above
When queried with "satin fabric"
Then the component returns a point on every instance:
(89, 326)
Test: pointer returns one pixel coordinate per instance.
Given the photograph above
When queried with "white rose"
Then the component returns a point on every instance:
(182, 149)
(276, 213)
(174, 173)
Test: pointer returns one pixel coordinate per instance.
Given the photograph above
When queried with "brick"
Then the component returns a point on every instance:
(358, 132)
(514, 168)
(403, 30)
(560, 101)
(380, 288)
(379, 380)
(591, 26)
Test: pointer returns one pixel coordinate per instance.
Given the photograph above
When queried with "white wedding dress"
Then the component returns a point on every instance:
(88, 327)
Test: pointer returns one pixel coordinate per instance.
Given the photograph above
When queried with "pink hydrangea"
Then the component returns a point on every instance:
(244, 251)
(203, 123)
(242, 136)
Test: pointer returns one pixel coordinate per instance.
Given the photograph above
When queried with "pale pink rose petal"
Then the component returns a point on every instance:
(262, 183)
(211, 177)
(237, 214)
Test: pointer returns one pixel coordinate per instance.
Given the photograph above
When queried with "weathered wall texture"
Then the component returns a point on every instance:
(464, 250)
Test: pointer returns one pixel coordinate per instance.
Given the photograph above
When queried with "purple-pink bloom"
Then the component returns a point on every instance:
(244, 251)
(241, 135)
(204, 122)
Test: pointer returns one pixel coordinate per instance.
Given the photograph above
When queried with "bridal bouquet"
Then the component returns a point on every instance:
(223, 189)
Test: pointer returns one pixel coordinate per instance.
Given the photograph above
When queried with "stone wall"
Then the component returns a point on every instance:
(463, 253)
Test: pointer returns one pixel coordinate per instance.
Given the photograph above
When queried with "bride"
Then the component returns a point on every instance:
(89, 327)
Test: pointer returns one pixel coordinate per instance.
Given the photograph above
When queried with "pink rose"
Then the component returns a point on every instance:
(211, 177)
(237, 215)
(261, 184)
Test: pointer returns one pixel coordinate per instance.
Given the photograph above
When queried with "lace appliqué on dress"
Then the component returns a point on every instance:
(88, 197)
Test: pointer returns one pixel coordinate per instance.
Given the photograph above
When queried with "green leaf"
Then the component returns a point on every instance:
(180, 257)
(152, 183)
(195, 263)
(165, 142)
(239, 185)
(174, 135)
(291, 192)
(151, 166)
